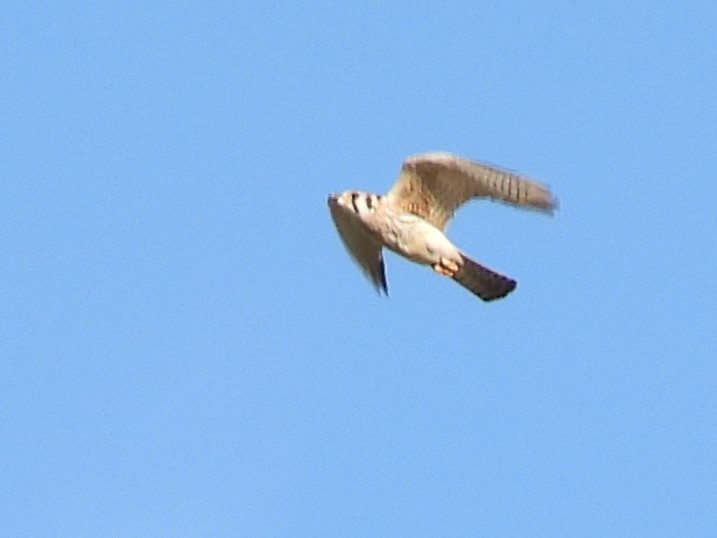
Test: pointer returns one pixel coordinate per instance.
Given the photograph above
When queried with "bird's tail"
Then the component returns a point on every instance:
(486, 284)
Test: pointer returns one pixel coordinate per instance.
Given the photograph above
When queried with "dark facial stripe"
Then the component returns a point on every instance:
(369, 202)
(353, 201)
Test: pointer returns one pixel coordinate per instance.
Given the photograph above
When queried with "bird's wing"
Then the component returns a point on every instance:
(363, 248)
(434, 185)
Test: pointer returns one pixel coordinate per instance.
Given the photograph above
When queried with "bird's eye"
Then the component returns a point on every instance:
(369, 202)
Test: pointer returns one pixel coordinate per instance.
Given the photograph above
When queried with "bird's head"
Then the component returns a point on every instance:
(359, 203)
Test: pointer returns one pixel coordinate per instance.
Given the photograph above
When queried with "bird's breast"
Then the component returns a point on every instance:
(416, 239)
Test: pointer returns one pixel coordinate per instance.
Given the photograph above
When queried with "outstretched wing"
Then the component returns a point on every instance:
(364, 250)
(434, 185)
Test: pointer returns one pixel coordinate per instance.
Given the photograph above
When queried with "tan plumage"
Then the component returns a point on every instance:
(364, 249)
(412, 218)
(434, 185)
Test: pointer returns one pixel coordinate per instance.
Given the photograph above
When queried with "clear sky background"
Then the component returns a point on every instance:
(187, 350)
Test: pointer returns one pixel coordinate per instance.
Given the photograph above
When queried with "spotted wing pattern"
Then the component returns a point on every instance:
(434, 185)
(364, 250)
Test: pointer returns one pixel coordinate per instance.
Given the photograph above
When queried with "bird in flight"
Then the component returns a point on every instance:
(411, 219)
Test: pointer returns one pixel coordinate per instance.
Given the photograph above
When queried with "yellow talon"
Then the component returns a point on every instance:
(446, 267)
(450, 265)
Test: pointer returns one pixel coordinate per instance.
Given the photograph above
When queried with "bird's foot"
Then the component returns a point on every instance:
(446, 267)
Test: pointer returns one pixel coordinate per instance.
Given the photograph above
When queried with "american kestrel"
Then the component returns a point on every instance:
(412, 217)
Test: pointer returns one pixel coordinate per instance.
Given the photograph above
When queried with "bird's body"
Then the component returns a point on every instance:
(404, 233)
(411, 219)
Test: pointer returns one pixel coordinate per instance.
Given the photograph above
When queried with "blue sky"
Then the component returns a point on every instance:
(187, 350)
